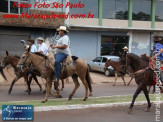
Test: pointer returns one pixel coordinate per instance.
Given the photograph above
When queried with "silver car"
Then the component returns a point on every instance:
(98, 64)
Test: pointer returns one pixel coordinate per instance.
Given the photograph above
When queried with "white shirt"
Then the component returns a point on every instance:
(33, 48)
(63, 41)
(43, 48)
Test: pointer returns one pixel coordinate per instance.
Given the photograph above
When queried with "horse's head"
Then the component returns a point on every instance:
(5, 60)
(107, 63)
(24, 61)
(124, 63)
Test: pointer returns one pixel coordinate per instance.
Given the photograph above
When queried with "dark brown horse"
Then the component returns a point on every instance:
(116, 66)
(13, 60)
(143, 75)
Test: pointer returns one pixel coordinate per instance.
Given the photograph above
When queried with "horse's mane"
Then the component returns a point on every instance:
(39, 54)
(16, 56)
(137, 58)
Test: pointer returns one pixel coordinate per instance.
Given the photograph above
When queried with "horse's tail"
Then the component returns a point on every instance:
(89, 80)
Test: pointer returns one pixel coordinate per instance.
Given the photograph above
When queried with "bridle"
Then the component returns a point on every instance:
(23, 64)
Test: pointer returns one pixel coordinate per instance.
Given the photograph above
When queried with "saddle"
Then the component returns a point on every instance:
(67, 64)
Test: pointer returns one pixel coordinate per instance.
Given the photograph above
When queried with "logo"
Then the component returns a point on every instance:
(17, 112)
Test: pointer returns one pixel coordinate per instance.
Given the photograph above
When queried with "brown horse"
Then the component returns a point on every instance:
(13, 60)
(143, 75)
(116, 66)
(38, 61)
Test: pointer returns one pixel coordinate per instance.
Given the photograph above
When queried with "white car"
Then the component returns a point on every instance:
(98, 64)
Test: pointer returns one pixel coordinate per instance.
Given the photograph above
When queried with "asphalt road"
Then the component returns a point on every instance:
(102, 87)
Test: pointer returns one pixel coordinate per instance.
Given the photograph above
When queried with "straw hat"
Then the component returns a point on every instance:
(31, 40)
(40, 38)
(125, 48)
(63, 28)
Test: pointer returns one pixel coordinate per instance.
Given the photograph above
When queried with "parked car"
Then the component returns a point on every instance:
(98, 64)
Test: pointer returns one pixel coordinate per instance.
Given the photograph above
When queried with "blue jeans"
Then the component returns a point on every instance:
(58, 59)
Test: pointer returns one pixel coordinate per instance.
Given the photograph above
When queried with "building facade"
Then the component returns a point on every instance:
(115, 24)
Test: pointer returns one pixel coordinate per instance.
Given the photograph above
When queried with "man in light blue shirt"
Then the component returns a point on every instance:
(32, 45)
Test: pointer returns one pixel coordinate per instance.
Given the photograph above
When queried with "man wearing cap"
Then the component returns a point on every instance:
(43, 49)
(125, 49)
(32, 45)
(62, 49)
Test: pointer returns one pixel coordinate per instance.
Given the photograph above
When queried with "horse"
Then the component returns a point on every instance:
(143, 75)
(39, 61)
(116, 66)
(13, 60)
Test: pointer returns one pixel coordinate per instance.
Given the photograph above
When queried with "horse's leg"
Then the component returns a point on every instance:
(147, 97)
(149, 89)
(47, 86)
(36, 80)
(28, 84)
(130, 80)
(123, 80)
(116, 75)
(62, 84)
(86, 87)
(77, 84)
(138, 90)
(154, 88)
(12, 84)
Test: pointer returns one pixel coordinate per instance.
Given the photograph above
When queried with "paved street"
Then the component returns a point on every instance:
(102, 87)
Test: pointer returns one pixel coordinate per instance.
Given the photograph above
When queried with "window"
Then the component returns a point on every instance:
(98, 59)
(104, 59)
(159, 11)
(4, 6)
(142, 10)
(89, 6)
(112, 45)
(115, 9)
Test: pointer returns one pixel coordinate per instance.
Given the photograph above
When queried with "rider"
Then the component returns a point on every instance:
(43, 49)
(125, 49)
(62, 50)
(158, 52)
(157, 47)
(32, 45)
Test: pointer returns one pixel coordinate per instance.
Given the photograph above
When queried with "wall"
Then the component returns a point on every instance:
(84, 44)
(140, 43)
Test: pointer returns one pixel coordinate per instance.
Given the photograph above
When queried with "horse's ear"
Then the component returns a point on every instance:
(29, 48)
(7, 54)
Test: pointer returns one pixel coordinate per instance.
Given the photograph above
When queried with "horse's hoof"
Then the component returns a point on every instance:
(147, 110)
(129, 111)
(59, 96)
(128, 84)
(70, 98)
(43, 102)
(85, 99)
(91, 94)
(113, 84)
(9, 92)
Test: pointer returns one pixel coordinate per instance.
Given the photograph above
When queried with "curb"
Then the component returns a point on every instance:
(79, 106)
